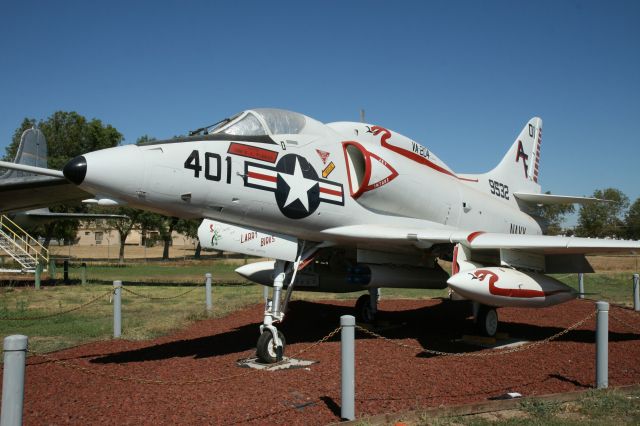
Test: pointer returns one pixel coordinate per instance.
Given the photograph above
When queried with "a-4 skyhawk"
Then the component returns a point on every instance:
(348, 206)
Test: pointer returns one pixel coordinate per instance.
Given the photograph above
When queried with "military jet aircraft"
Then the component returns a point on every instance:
(349, 206)
(22, 190)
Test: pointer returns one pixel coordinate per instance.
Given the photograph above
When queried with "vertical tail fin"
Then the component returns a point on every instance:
(520, 167)
(32, 151)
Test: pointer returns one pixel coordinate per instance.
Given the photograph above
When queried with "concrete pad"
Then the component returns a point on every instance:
(285, 364)
(492, 342)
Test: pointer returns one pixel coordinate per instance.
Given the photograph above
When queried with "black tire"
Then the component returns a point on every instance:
(487, 322)
(266, 350)
(363, 310)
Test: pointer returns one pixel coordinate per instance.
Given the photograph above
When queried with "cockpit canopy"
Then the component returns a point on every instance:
(269, 121)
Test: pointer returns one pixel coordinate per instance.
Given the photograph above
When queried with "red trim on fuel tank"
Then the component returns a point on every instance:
(455, 268)
(472, 236)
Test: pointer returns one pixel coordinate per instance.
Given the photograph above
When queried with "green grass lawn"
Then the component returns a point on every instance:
(608, 407)
(142, 318)
(613, 287)
(161, 272)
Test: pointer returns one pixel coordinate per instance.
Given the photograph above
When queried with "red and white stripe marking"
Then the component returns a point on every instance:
(268, 179)
(260, 176)
(537, 163)
(330, 192)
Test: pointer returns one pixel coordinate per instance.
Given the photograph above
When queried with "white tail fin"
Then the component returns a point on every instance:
(32, 151)
(520, 167)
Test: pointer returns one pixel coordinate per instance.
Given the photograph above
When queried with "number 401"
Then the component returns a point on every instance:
(212, 165)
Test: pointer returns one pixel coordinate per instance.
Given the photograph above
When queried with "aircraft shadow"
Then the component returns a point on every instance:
(435, 327)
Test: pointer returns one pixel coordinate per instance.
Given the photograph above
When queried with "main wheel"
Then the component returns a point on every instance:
(266, 349)
(364, 313)
(487, 322)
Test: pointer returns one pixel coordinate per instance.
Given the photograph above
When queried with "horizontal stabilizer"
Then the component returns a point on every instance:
(555, 199)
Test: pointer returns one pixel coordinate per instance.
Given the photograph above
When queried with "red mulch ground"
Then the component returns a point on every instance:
(388, 378)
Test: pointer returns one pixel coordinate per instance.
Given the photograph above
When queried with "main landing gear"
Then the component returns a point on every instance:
(367, 306)
(486, 319)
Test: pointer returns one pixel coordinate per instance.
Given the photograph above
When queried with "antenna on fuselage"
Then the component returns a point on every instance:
(362, 115)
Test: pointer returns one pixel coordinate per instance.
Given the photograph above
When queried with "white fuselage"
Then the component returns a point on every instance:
(400, 183)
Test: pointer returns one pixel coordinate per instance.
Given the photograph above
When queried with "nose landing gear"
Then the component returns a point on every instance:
(271, 343)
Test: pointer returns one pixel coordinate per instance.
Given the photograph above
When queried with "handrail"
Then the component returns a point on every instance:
(29, 242)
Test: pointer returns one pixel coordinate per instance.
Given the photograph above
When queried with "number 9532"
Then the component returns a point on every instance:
(499, 189)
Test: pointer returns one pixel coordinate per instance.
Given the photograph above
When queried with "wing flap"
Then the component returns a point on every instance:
(555, 199)
(547, 244)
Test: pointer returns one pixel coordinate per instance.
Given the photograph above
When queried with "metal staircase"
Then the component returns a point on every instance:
(22, 247)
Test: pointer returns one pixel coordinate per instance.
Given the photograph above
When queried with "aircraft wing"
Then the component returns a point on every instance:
(38, 214)
(40, 191)
(556, 199)
(22, 190)
(421, 238)
(547, 244)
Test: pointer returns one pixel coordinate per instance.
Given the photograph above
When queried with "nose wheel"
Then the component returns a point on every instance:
(267, 349)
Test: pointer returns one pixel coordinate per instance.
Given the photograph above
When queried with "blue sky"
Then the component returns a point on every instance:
(461, 77)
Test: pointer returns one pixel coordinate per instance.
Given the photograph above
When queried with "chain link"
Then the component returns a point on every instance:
(313, 345)
(481, 354)
(326, 338)
(94, 372)
(57, 313)
(621, 321)
(160, 298)
(142, 381)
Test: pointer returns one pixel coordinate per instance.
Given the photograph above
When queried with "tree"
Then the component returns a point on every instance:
(189, 228)
(123, 225)
(166, 226)
(632, 221)
(163, 224)
(144, 138)
(603, 219)
(551, 216)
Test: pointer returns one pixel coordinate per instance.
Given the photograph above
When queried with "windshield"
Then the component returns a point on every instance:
(265, 121)
(248, 125)
(282, 122)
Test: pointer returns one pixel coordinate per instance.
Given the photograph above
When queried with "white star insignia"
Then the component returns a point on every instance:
(299, 186)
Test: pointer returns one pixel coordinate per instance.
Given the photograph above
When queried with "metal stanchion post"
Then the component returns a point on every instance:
(38, 275)
(602, 345)
(636, 292)
(15, 355)
(207, 287)
(117, 309)
(581, 285)
(347, 348)
(65, 272)
(83, 273)
(52, 268)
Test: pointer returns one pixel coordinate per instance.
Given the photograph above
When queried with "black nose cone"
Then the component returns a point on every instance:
(75, 170)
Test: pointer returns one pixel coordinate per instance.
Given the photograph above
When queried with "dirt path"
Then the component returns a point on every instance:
(388, 378)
